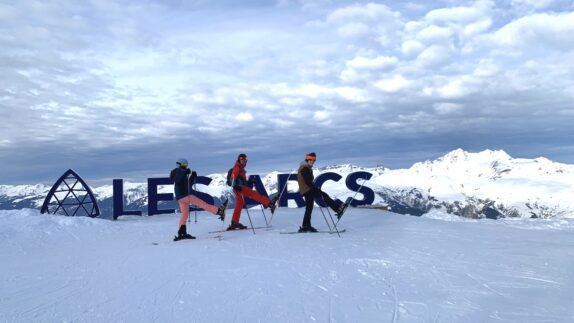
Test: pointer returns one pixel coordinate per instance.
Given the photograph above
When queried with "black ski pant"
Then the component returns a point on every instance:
(310, 197)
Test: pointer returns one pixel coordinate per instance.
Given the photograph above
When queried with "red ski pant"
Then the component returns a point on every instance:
(240, 200)
(184, 207)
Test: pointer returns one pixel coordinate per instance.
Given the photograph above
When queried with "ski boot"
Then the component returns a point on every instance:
(307, 228)
(236, 226)
(182, 234)
(343, 208)
(273, 204)
(221, 210)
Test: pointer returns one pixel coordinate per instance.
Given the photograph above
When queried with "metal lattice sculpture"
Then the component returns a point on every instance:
(70, 197)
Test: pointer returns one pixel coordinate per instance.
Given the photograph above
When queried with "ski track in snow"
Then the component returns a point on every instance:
(385, 268)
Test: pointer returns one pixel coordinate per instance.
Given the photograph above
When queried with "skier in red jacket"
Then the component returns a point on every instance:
(241, 189)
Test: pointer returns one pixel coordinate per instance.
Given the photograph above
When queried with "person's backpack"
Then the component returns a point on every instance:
(172, 175)
(229, 179)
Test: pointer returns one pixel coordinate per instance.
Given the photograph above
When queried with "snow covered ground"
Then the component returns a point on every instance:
(385, 268)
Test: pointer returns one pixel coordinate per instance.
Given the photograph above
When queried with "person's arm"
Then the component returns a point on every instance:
(307, 176)
(235, 178)
(192, 177)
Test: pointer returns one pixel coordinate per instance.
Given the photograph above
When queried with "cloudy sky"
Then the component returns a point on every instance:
(121, 89)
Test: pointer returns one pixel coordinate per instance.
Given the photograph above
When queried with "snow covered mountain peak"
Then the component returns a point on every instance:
(487, 163)
(459, 156)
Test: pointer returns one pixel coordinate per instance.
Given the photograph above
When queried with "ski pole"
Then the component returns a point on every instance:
(189, 212)
(220, 236)
(195, 189)
(248, 215)
(264, 217)
(357, 192)
(334, 224)
(245, 207)
(281, 194)
(324, 217)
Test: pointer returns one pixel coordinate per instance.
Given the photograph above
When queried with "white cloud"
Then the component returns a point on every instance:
(538, 30)
(351, 94)
(486, 68)
(143, 78)
(434, 56)
(378, 62)
(435, 34)
(411, 47)
(321, 115)
(353, 29)
(461, 15)
(5, 142)
(478, 27)
(446, 107)
(371, 11)
(394, 84)
(351, 75)
(244, 117)
(371, 21)
(453, 90)
(363, 68)
(532, 4)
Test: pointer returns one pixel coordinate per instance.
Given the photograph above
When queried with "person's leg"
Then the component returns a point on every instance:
(202, 204)
(239, 201)
(254, 195)
(330, 202)
(184, 207)
(309, 200)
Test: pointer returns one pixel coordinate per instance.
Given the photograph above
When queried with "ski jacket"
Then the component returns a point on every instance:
(305, 178)
(180, 183)
(238, 176)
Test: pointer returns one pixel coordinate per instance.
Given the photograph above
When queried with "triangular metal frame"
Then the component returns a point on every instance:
(91, 210)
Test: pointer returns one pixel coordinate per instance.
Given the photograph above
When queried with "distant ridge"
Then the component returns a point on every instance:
(485, 184)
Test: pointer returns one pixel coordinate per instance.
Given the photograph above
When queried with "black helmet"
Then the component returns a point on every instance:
(311, 156)
(241, 157)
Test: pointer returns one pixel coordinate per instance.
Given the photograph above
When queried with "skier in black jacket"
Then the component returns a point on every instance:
(309, 192)
(181, 188)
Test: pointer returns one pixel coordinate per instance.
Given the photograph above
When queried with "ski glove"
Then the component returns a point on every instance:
(187, 171)
(237, 188)
(250, 182)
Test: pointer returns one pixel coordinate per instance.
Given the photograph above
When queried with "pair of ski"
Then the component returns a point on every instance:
(248, 228)
(320, 231)
(331, 230)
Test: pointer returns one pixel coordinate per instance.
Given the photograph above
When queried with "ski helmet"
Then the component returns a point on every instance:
(182, 162)
(311, 156)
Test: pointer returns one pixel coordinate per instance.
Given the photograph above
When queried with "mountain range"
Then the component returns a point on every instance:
(486, 184)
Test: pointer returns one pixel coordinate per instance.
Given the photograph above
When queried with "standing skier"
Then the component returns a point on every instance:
(181, 185)
(309, 192)
(241, 189)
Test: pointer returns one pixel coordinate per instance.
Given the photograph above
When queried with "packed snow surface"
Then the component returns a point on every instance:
(384, 268)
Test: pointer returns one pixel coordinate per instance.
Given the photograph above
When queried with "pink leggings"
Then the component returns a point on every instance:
(184, 207)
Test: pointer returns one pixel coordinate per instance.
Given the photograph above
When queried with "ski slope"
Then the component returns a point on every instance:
(385, 268)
